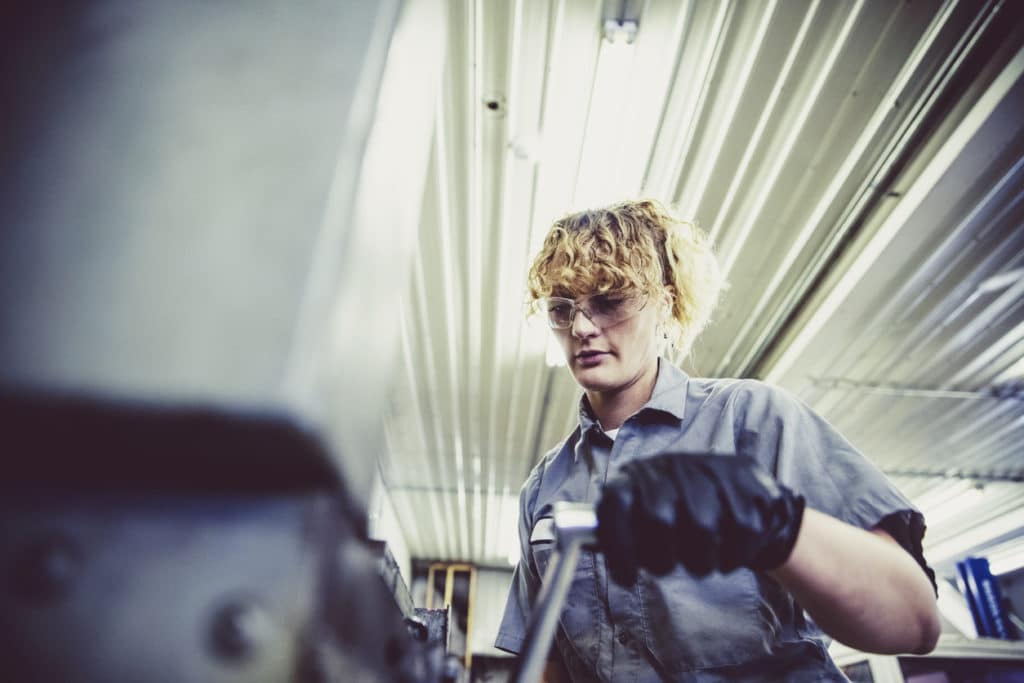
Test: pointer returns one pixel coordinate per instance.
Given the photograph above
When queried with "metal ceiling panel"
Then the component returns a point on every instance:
(859, 166)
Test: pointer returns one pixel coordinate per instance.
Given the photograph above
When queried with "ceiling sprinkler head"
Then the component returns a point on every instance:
(618, 31)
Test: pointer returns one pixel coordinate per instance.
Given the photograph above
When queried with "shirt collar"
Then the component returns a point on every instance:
(587, 417)
(669, 396)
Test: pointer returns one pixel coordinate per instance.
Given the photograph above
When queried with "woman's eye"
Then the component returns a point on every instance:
(559, 309)
(607, 303)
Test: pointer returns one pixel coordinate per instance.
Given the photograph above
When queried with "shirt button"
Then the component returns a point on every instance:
(623, 638)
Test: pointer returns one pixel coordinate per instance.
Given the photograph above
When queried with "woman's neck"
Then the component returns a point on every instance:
(612, 408)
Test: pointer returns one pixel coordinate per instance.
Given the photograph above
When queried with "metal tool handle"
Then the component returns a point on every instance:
(575, 528)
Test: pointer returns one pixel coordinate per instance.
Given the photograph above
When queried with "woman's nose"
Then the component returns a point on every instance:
(582, 326)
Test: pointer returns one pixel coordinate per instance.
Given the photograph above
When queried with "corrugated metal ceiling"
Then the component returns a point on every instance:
(860, 166)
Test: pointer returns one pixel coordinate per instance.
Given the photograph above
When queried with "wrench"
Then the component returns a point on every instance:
(575, 529)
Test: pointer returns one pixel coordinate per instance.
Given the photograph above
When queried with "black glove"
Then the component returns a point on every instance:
(707, 512)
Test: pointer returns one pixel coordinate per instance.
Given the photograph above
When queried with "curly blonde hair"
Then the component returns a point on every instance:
(632, 245)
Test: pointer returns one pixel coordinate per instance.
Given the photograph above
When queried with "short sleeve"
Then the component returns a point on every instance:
(816, 461)
(525, 578)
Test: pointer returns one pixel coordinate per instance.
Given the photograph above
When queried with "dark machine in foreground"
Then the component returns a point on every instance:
(148, 544)
(191, 210)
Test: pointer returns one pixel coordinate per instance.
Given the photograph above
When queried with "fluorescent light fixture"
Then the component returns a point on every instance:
(937, 495)
(553, 355)
(976, 538)
(951, 506)
(1001, 281)
(507, 530)
(952, 605)
(599, 179)
(1006, 557)
(536, 339)
(1015, 371)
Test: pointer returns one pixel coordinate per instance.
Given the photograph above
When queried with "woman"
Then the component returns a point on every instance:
(726, 507)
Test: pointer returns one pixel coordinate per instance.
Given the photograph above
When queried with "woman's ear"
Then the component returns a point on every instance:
(668, 296)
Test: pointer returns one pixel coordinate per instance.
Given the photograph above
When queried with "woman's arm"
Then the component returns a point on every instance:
(710, 513)
(860, 587)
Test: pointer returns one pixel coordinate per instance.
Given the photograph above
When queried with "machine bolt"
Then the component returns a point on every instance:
(45, 570)
(239, 628)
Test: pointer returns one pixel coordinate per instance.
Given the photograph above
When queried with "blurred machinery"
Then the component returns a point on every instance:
(192, 366)
(147, 544)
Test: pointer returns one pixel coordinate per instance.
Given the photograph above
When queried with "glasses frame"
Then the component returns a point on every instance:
(579, 308)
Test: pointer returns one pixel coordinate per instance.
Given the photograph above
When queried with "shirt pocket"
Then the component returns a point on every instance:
(701, 623)
(542, 544)
(580, 615)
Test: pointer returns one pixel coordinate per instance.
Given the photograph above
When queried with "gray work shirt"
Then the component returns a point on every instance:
(741, 626)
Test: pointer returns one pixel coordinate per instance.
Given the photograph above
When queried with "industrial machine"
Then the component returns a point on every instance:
(191, 365)
(146, 543)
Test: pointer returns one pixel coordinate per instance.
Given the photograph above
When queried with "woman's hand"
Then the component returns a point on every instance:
(706, 512)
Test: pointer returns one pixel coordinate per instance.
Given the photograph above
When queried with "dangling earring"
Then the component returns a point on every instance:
(667, 340)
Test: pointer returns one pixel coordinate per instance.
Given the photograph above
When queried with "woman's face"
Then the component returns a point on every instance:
(616, 356)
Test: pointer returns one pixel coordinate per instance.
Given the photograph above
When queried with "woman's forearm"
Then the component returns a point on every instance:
(861, 587)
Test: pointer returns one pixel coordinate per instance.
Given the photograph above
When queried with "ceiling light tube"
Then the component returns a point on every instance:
(553, 355)
(1008, 558)
(976, 538)
(1001, 281)
(943, 511)
(598, 175)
